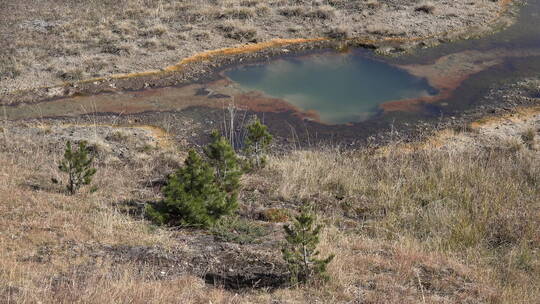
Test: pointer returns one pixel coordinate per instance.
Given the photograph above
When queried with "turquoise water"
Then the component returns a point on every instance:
(343, 88)
(340, 88)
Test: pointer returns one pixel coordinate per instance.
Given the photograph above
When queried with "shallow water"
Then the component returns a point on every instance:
(431, 83)
(340, 88)
(351, 87)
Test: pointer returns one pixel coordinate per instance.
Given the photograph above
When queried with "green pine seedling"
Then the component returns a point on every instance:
(256, 144)
(226, 164)
(192, 196)
(78, 165)
(300, 250)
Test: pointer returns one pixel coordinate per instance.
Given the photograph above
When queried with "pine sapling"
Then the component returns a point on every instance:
(78, 165)
(256, 144)
(192, 196)
(300, 250)
(226, 164)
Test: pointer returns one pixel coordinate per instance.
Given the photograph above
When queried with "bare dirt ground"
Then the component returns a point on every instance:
(47, 43)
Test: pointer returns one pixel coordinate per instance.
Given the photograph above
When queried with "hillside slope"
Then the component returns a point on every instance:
(453, 219)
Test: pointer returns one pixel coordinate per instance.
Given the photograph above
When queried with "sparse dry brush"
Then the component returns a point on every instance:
(238, 31)
(406, 227)
(481, 206)
(427, 7)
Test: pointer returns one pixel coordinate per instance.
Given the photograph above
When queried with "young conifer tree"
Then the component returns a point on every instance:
(77, 163)
(226, 164)
(192, 196)
(256, 144)
(300, 251)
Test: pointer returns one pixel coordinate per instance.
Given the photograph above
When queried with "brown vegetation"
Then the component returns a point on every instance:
(454, 223)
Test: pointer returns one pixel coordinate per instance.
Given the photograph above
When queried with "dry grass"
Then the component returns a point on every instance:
(407, 226)
(49, 42)
(427, 7)
(481, 206)
(238, 30)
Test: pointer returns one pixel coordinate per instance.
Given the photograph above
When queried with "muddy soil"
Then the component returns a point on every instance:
(190, 126)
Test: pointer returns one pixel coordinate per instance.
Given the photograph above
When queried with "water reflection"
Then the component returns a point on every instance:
(340, 88)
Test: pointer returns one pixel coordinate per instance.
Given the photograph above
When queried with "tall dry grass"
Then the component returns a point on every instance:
(479, 206)
(426, 226)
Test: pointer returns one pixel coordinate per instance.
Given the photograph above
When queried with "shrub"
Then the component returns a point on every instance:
(300, 251)
(291, 11)
(249, 3)
(426, 7)
(528, 137)
(192, 196)
(71, 75)
(275, 215)
(322, 12)
(10, 71)
(237, 13)
(339, 32)
(117, 136)
(78, 165)
(512, 145)
(373, 4)
(156, 30)
(256, 144)
(9, 67)
(238, 31)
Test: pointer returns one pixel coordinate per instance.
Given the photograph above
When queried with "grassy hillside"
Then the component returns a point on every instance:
(453, 220)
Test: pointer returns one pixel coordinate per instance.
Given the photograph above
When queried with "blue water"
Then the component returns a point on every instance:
(340, 88)
(344, 88)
